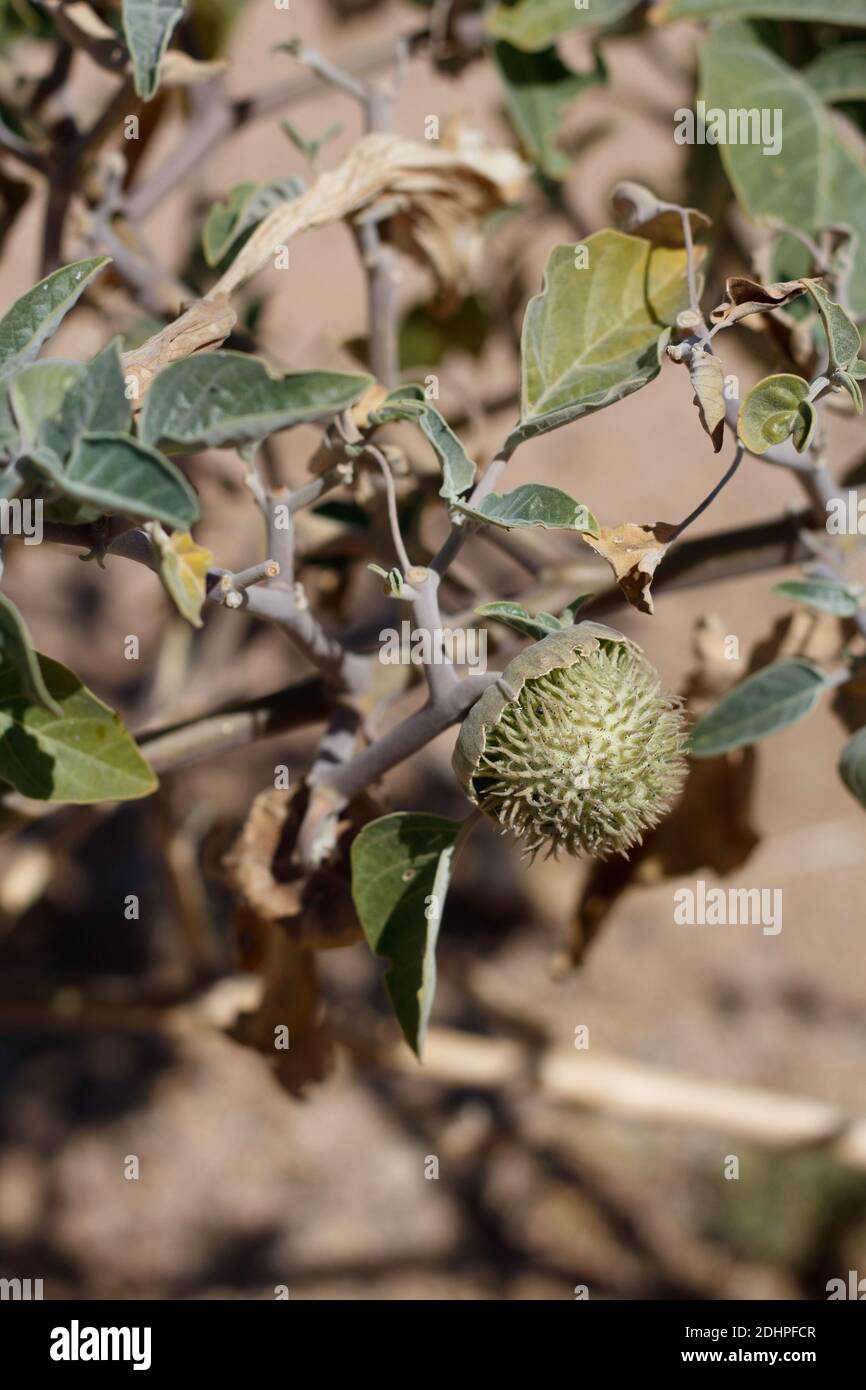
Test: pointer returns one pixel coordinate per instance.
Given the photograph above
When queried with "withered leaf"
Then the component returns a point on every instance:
(436, 196)
(745, 296)
(639, 211)
(206, 323)
(634, 553)
(708, 382)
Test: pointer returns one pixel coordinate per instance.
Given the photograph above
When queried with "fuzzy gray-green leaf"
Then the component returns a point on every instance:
(458, 470)
(827, 595)
(533, 504)
(770, 700)
(400, 869)
(119, 474)
(148, 25)
(596, 332)
(35, 316)
(817, 178)
(221, 399)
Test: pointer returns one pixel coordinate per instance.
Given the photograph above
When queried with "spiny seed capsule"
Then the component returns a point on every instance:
(576, 746)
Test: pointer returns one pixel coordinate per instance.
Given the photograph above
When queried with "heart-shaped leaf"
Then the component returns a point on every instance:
(533, 504)
(770, 700)
(817, 177)
(222, 399)
(400, 871)
(778, 408)
(597, 330)
(82, 755)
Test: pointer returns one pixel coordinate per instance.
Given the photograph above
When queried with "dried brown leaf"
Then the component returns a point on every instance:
(437, 193)
(203, 324)
(708, 382)
(639, 211)
(744, 296)
(634, 553)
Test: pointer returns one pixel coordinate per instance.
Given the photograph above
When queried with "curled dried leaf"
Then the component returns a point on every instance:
(436, 195)
(314, 907)
(707, 376)
(639, 211)
(203, 324)
(634, 553)
(744, 296)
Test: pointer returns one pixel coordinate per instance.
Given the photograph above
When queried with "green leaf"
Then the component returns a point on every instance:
(858, 369)
(596, 334)
(148, 25)
(219, 399)
(35, 316)
(536, 24)
(839, 74)
(8, 429)
(827, 595)
(246, 205)
(852, 386)
(515, 616)
(458, 470)
(843, 12)
(83, 755)
(121, 475)
(568, 616)
(538, 88)
(763, 704)
(400, 870)
(818, 178)
(843, 336)
(16, 650)
(95, 403)
(426, 335)
(533, 504)
(310, 148)
(36, 395)
(852, 765)
(773, 411)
